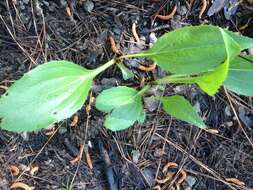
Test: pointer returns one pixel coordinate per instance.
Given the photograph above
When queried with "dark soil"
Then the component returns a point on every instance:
(32, 33)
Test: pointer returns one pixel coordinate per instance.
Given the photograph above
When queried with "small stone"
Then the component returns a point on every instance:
(26, 2)
(158, 152)
(135, 155)
(229, 123)
(62, 130)
(88, 6)
(149, 175)
(197, 107)
(250, 51)
(190, 180)
(109, 81)
(182, 10)
(151, 103)
(228, 111)
(152, 39)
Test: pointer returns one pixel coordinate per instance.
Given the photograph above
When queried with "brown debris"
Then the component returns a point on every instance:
(136, 36)
(168, 16)
(33, 170)
(14, 170)
(169, 165)
(235, 181)
(148, 68)
(79, 156)
(21, 186)
(203, 8)
(114, 46)
(74, 121)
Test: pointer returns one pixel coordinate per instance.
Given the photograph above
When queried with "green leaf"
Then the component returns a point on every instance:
(126, 73)
(189, 50)
(243, 41)
(180, 108)
(240, 76)
(210, 81)
(47, 94)
(123, 105)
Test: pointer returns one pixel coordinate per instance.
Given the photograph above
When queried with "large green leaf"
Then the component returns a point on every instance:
(47, 94)
(210, 81)
(240, 76)
(123, 105)
(180, 108)
(189, 50)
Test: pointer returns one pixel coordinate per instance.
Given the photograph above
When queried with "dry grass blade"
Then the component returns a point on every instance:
(235, 181)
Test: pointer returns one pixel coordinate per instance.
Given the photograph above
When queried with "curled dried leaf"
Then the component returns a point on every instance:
(114, 46)
(168, 177)
(168, 16)
(136, 36)
(235, 181)
(182, 177)
(14, 170)
(169, 165)
(33, 170)
(148, 68)
(21, 186)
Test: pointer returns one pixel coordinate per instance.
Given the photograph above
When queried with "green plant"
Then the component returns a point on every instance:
(208, 56)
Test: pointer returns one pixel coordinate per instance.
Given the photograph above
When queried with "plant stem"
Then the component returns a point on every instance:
(144, 89)
(176, 79)
(103, 67)
(132, 55)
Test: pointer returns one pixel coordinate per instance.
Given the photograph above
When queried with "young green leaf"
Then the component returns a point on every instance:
(240, 76)
(180, 108)
(123, 105)
(47, 94)
(126, 73)
(189, 50)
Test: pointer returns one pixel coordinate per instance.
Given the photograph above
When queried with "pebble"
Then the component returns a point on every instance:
(246, 118)
(152, 39)
(88, 6)
(229, 123)
(151, 103)
(228, 111)
(250, 51)
(149, 175)
(135, 155)
(190, 180)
